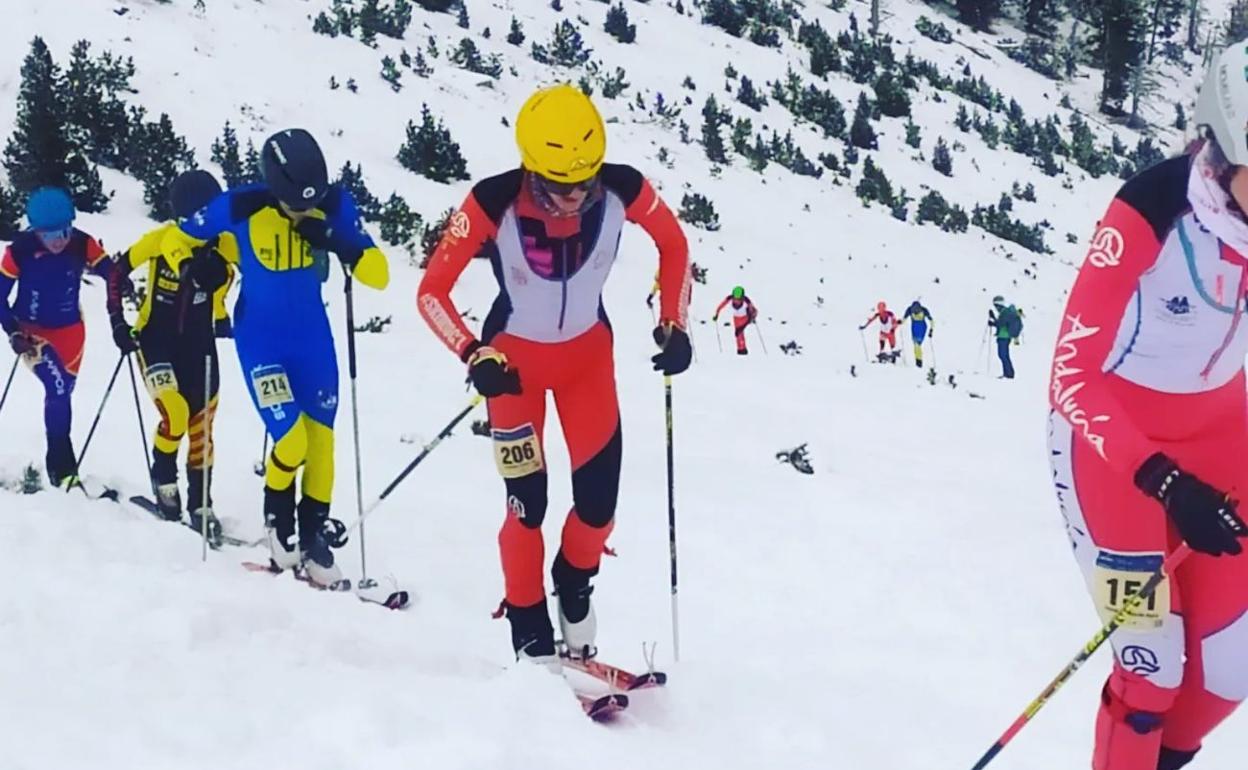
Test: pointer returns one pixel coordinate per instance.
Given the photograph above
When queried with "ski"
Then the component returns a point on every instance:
(615, 676)
(148, 505)
(368, 591)
(602, 708)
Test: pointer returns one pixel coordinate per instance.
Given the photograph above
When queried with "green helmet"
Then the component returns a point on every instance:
(998, 300)
(738, 292)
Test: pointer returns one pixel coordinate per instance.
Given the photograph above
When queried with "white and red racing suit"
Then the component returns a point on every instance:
(1150, 358)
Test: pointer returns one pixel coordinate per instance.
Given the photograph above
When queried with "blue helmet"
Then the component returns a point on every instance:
(49, 208)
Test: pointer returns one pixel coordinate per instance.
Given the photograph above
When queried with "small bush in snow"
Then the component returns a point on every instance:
(914, 136)
(874, 185)
(617, 25)
(430, 151)
(942, 160)
(566, 48)
(399, 224)
(467, 57)
(890, 97)
(516, 35)
(697, 210)
(825, 56)
(749, 96)
(862, 133)
(935, 31)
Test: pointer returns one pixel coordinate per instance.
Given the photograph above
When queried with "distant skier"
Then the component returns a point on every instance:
(1008, 322)
(44, 325)
(888, 331)
(282, 331)
(922, 326)
(556, 225)
(174, 335)
(1149, 432)
(744, 313)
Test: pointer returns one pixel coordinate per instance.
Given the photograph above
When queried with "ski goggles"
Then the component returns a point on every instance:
(567, 189)
(55, 239)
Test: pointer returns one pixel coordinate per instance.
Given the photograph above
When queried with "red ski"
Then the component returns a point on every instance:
(615, 676)
(602, 708)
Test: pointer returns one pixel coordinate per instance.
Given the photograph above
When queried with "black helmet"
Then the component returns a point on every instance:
(191, 191)
(294, 169)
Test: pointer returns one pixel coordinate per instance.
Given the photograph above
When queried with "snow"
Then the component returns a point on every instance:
(896, 609)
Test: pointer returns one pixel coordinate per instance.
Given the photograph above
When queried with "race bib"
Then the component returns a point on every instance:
(1118, 576)
(160, 378)
(271, 386)
(517, 452)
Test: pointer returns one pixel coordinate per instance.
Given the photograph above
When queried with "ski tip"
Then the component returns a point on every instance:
(650, 679)
(604, 708)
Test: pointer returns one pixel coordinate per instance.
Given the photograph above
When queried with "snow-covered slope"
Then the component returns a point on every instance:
(894, 610)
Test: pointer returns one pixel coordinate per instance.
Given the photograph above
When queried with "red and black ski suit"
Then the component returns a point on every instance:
(1150, 359)
(550, 324)
(743, 314)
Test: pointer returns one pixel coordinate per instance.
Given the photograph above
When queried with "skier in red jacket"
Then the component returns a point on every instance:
(743, 314)
(888, 330)
(1149, 432)
(552, 228)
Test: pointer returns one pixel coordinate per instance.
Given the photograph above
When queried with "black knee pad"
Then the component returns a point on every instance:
(279, 511)
(1173, 760)
(596, 484)
(526, 499)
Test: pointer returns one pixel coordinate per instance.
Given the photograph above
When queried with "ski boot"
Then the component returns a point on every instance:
(1173, 760)
(318, 536)
(201, 517)
(61, 464)
(165, 485)
(577, 621)
(532, 636)
(279, 528)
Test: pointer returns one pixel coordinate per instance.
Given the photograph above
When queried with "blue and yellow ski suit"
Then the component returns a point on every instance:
(281, 329)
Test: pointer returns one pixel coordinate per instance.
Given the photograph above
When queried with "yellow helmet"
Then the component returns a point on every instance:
(561, 135)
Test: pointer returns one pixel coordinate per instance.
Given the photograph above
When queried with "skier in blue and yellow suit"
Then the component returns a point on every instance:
(282, 331)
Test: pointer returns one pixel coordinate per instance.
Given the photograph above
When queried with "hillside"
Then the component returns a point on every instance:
(893, 610)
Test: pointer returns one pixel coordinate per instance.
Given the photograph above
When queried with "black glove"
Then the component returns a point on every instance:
(1205, 516)
(207, 268)
(123, 337)
(316, 232)
(490, 375)
(223, 329)
(22, 343)
(650, 300)
(676, 352)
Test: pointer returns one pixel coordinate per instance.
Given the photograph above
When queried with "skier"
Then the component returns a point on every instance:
(283, 336)
(556, 224)
(1008, 322)
(888, 331)
(44, 325)
(922, 326)
(1148, 435)
(744, 313)
(174, 335)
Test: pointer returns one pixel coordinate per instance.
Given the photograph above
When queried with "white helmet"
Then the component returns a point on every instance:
(1223, 102)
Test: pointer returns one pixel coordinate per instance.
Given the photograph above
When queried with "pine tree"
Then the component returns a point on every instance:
(96, 116)
(157, 156)
(1125, 31)
(430, 151)
(749, 96)
(371, 20)
(874, 185)
(352, 179)
(861, 132)
(963, 120)
(932, 208)
(891, 97)
(617, 25)
(35, 154)
(726, 15)
(251, 165)
(10, 213)
(399, 225)
(391, 74)
(516, 35)
(566, 49)
(462, 20)
(914, 137)
(225, 153)
(942, 160)
(712, 140)
(978, 13)
(323, 26)
(699, 211)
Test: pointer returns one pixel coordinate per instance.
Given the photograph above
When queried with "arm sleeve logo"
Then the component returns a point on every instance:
(1107, 248)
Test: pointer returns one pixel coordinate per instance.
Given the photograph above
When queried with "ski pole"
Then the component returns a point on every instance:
(264, 455)
(865, 355)
(671, 514)
(445, 433)
(983, 343)
(759, 331)
(1129, 606)
(8, 384)
(206, 466)
(718, 341)
(138, 410)
(107, 391)
(348, 289)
